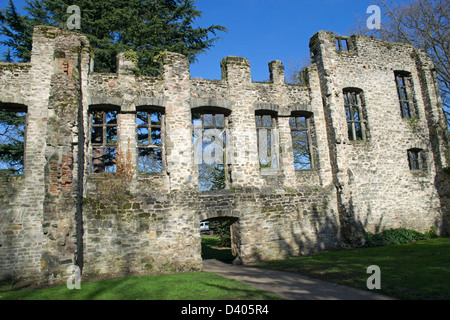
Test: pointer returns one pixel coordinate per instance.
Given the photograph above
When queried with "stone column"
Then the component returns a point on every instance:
(286, 154)
(179, 145)
(245, 167)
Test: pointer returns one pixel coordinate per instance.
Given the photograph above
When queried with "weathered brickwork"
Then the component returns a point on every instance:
(60, 213)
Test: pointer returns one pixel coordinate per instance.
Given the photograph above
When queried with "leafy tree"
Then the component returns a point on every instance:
(147, 27)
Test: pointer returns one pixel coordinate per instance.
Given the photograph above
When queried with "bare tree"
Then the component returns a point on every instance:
(423, 24)
(295, 71)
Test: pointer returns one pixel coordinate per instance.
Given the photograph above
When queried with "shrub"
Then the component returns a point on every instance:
(396, 236)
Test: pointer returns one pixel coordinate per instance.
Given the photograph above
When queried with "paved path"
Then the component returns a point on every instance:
(287, 285)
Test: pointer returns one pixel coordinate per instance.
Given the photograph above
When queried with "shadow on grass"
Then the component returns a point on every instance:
(414, 271)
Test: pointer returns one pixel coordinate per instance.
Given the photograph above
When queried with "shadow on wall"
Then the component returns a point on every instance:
(442, 183)
(307, 232)
(318, 230)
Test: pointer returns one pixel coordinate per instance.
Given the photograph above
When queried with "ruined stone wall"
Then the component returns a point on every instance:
(376, 186)
(59, 214)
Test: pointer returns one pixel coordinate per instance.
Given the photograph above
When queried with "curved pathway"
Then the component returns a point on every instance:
(287, 285)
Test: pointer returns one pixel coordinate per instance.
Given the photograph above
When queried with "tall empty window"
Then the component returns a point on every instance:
(12, 140)
(267, 134)
(301, 142)
(210, 139)
(149, 126)
(103, 140)
(405, 94)
(356, 121)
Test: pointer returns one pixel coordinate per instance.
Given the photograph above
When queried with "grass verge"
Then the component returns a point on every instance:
(189, 286)
(418, 270)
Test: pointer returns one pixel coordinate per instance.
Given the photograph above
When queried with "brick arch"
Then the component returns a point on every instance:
(104, 100)
(300, 108)
(208, 215)
(226, 210)
(271, 107)
(197, 103)
(150, 101)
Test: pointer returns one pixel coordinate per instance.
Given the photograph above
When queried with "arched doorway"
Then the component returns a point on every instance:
(221, 240)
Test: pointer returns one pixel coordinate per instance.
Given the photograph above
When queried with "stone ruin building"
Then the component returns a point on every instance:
(357, 147)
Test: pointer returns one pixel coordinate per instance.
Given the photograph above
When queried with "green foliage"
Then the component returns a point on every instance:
(131, 55)
(397, 236)
(12, 130)
(18, 31)
(211, 249)
(146, 27)
(221, 228)
(218, 180)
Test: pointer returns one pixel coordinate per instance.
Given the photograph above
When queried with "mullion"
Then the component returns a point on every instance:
(353, 107)
(149, 126)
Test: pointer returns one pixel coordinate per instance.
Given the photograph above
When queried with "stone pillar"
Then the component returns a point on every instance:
(63, 139)
(125, 63)
(29, 257)
(179, 148)
(276, 70)
(286, 154)
(245, 167)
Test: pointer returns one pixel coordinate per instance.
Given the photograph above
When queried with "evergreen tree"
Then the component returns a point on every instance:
(18, 31)
(147, 27)
(12, 130)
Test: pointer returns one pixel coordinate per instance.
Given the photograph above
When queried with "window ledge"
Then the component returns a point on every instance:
(268, 172)
(305, 171)
(150, 175)
(358, 142)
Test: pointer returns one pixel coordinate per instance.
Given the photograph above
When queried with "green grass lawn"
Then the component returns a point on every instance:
(211, 250)
(188, 286)
(418, 270)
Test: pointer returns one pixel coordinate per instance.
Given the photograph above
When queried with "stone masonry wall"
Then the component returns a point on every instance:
(377, 187)
(56, 214)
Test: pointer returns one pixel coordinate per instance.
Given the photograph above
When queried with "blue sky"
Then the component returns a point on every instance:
(266, 30)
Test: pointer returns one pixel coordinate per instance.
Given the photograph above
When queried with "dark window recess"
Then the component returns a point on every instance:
(103, 140)
(149, 126)
(210, 140)
(356, 122)
(416, 159)
(267, 141)
(301, 142)
(12, 141)
(405, 95)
